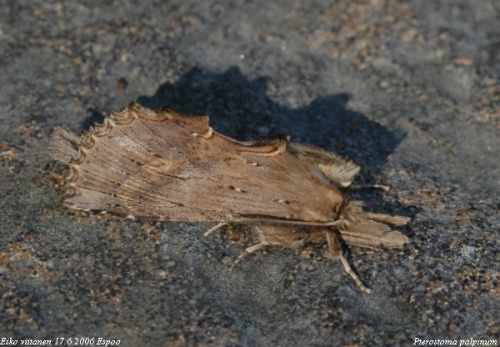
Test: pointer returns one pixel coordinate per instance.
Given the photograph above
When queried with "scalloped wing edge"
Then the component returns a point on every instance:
(71, 149)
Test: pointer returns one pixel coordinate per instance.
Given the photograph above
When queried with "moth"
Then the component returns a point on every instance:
(166, 166)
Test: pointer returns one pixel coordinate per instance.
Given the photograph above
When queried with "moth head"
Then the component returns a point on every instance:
(350, 212)
(339, 202)
(329, 210)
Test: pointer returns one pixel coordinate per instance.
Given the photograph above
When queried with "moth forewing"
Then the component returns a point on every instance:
(164, 165)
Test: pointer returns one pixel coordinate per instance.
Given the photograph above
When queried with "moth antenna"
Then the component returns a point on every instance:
(371, 186)
(214, 228)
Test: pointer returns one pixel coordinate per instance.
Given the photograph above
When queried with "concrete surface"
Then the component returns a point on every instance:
(408, 89)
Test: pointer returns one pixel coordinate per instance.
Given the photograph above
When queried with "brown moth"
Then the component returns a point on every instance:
(167, 166)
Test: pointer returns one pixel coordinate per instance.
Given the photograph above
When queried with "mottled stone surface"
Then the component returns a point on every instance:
(408, 89)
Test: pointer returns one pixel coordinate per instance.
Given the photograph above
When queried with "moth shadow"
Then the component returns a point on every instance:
(241, 108)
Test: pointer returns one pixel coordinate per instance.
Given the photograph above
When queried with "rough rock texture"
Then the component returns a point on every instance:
(408, 89)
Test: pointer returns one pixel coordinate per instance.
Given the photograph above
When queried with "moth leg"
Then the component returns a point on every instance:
(274, 235)
(335, 251)
(246, 252)
(212, 229)
(385, 218)
(371, 186)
